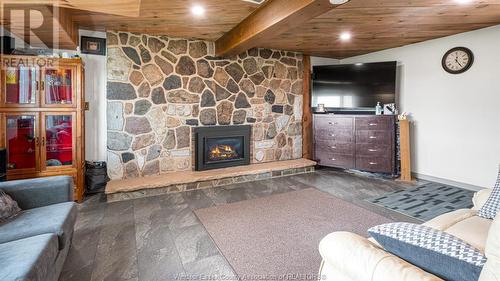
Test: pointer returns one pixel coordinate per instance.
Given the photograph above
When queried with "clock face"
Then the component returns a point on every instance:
(458, 60)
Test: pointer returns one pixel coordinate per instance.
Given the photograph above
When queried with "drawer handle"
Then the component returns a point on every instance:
(332, 135)
(333, 147)
(373, 163)
(373, 150)
(333, 159)
(333, 123)
(372, 124)
(373, 137)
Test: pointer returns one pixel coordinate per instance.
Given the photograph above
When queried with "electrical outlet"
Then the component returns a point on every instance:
(87, 106)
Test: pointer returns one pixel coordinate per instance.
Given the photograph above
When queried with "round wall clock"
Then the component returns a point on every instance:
(458, 60)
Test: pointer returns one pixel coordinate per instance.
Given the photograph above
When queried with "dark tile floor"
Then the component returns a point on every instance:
(160, 238)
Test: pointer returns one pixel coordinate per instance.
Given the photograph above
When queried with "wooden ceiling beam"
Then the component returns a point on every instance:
(268, 21)
(43, 26)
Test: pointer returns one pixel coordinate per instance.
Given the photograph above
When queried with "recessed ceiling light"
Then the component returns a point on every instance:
(198, 10)
(345, 36)
(338, 2)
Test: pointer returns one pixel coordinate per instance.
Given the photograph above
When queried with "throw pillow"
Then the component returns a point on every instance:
(8, 207)
(436, 252)
(492, 205)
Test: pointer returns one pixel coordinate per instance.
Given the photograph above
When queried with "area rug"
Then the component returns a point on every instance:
(427, 201)
(273, 237)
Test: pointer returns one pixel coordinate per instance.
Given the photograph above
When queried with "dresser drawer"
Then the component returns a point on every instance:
(374, 123)
(329, 123)
(337, 135)
(335, 147)
(374, 137)
(326, 158)
(367, 149)
(374, 164)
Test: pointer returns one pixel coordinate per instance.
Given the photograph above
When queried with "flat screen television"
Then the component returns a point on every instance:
(354, 87)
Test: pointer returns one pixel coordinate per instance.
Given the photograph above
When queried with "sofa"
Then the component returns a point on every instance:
(35, 243)
(350, 257)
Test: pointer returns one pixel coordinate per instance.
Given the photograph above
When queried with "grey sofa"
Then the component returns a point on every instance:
(34, 245)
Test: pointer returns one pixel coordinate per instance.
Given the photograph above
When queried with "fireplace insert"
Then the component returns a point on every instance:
(222, 146)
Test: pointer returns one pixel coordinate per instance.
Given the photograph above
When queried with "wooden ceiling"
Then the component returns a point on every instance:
(173, 18)
(299, 26)
(128, 8)
(382, 24)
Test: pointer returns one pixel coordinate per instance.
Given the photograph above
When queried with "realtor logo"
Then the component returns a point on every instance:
(35, 24)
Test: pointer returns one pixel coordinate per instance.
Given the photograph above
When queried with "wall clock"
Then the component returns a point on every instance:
(458, 60)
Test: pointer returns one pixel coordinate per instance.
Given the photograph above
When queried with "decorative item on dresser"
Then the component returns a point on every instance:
(42, 118)
(363, 142)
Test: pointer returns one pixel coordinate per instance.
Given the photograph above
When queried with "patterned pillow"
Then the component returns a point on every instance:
(437, 252)
(492, 205)
(8, 207)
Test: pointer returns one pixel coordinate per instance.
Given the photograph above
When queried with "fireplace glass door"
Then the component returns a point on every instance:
(222, 146)
(223, 149)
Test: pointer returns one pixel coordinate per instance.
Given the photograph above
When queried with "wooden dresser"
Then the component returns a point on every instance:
(362, 142)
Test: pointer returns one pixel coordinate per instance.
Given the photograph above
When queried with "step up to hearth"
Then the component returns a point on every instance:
(118, 190)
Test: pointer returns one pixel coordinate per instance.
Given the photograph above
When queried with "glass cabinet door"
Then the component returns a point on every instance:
(57, 86)
(21, 141)
(20, 86)
(58, 140)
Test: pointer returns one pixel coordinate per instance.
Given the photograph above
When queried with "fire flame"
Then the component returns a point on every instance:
(222, 152)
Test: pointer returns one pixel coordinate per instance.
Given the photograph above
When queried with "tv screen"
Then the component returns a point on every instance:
(354, 86)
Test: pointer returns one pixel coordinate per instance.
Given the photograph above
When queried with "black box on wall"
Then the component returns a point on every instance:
(7, 45)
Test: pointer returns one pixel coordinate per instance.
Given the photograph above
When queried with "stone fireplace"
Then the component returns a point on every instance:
(160, 90)
(222, 146)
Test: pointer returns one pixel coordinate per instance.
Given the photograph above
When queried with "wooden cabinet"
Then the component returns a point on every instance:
(42, 118)
(355, 142)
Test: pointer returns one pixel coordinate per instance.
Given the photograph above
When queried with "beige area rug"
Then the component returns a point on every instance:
(271, 237)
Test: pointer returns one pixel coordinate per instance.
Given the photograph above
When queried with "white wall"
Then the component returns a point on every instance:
(95, 94)
(323, 61)
(456, 117)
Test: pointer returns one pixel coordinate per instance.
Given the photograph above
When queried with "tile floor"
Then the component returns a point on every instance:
(160, 238)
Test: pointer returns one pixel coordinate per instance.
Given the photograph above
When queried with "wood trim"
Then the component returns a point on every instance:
(37, 109)
(268, 21)
(307, 131)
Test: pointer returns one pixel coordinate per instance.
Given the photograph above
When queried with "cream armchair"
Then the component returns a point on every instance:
(350, 257)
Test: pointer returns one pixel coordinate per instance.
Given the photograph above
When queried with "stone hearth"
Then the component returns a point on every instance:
(118, 190)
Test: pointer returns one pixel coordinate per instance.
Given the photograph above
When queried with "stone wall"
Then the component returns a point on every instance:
(159, 88)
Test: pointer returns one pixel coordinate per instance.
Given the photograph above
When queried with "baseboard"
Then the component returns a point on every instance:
(448, 182)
